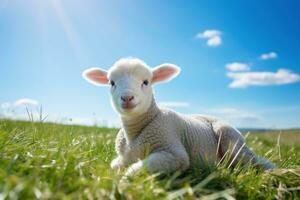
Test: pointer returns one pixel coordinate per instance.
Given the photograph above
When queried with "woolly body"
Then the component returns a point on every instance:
(165, 141)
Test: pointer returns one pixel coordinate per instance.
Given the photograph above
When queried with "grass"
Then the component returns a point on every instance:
(51, 161)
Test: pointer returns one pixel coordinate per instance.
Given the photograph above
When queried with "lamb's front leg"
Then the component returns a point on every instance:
(162, 162)
(123, 159)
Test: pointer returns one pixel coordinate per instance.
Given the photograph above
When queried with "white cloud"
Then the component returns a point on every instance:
(234, 113)
(246, 79)
(236, 66)
(267, 56)
(238, 117)
(209, 34)
(174, 104)
(90, 121)
(14, 110)
(7, 106)
(213, 37)
(214, 41)
(281, 109)
(26, 102)
(35, 116)
(225, 110)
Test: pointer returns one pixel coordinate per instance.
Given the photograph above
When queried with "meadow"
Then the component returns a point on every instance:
(53, 161)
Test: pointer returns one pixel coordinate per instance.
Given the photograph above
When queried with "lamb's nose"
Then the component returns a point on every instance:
(127, 99)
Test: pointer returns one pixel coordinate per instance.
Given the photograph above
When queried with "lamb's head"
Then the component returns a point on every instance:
(130, 81)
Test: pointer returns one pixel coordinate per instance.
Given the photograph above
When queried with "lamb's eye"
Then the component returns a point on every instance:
(112, 83)
(145, 82)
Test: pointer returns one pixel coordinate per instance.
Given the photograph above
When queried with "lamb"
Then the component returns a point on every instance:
(159, 139)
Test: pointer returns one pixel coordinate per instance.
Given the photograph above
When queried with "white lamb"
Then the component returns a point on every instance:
(161, 140)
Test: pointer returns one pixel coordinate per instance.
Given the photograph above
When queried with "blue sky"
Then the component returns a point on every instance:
(45, 46)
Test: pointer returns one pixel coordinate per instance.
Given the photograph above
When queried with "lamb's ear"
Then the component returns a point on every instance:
(96, 76)
(164, 73)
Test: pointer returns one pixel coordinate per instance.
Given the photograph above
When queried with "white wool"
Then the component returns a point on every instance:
(162, 140)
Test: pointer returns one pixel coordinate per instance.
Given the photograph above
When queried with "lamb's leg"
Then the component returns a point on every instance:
(231, 142)
(122, 160)
(162, 162)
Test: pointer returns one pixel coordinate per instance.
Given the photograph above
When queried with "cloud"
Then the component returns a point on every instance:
(225, 110)
(238, 117)
(267, 56)
(214, 41)
(26, 102)
(246, 79)
(235, 113)
(281, 109)
(16, 110)
(19, 103)
(213, 37)
(236, 66)
(174, 104)
(89, 121)
(209, 34)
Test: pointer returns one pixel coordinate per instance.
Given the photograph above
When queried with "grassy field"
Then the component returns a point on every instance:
(50, 161)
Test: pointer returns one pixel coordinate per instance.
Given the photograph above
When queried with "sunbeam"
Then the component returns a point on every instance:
(68, 28)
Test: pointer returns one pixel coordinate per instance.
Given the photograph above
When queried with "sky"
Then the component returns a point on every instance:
(240, 60)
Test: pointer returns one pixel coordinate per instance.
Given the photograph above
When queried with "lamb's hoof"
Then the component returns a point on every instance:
(134, 168)
(116, 165)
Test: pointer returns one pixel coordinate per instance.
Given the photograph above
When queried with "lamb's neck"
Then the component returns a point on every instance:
(134, 125)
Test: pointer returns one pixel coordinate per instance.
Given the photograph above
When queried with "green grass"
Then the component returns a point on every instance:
(51, 161)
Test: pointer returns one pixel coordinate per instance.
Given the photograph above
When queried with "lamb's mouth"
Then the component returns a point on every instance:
(128, 106)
